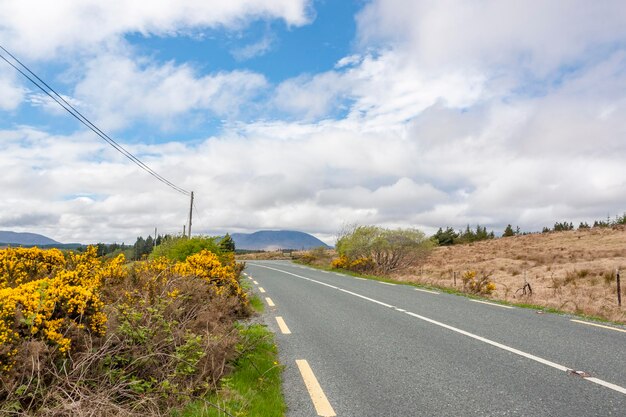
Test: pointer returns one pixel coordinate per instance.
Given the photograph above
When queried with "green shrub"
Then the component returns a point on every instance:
(383, 250)
(179, 248)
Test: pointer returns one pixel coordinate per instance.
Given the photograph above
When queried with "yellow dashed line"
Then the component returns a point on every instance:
(322, 406)
(269, 302)
(261, 290)
(282, 325)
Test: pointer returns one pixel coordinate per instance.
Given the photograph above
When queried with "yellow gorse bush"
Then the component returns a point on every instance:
(476, 284)
(47, 296)
(360, 264)
(221, 276)
(206, 265)
(43, 296)
(19, 265)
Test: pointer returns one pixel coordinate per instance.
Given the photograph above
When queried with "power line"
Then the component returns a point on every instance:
(50, 92)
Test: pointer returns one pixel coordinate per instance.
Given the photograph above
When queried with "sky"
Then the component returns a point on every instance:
(312, 115)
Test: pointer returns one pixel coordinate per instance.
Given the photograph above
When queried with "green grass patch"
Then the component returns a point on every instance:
(256, 303)
(254, 388)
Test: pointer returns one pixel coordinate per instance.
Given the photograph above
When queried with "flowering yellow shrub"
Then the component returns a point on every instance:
(207, 266)
(68, 295)
(169, 331)
(477, 285)
(359, 264)
(221, 276)
(340, 263)
(19, 265)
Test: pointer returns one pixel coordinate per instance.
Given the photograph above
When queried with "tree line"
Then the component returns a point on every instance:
(449, 236)
(143, 247)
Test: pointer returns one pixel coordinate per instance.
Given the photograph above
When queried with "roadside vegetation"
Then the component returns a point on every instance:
(87, 335)
(264, 255)
(572, 271)
(254, 386)
(559, 270)
(372, 250)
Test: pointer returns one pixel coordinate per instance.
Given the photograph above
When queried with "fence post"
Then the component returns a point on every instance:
(619, 290)
(454, 277)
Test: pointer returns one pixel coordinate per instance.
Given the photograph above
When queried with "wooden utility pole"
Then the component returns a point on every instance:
(190, 215)
(155, 236)
(184, 230)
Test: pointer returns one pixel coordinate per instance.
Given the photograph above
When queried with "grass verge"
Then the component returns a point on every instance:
(454, 291)
(254, 387)
(255, 301)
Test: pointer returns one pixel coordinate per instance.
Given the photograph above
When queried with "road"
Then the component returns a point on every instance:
(354, 347)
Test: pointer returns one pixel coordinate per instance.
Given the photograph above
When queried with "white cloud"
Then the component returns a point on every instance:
(37, 99)
(255, 49)
(312, 96)
(447, 166)
(452, 113)
(72, 25)
(383, 90)
(120, 90)
(516, 35)
(349, 60)
(11, 94)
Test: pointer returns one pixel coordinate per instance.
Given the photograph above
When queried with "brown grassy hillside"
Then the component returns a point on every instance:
(572, 271)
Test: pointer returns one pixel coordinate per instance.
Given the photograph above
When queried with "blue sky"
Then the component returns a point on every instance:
(307, 115)
(312, 48)
(287, 51)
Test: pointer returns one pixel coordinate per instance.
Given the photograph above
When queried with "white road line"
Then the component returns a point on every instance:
(362, 279)
(428, 291)
(366, 298)
(261, 290)
(599, 325)
(530, 356)
(322, 406)
(386, 283)
(491, 342)
(607, 384)
(491, 304)
(282, 325)
(255, 283)
(269, 302)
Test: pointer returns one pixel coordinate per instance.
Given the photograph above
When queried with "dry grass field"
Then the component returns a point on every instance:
(257, 256)
(572, 271)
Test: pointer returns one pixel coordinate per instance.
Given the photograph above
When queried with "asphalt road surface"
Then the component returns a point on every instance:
(354, 347)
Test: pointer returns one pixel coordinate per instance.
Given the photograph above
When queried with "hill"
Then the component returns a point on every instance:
(572, 271)
(26, 239)
(276, 239)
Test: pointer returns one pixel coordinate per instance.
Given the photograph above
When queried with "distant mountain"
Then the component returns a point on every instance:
(26, 239)
(273, 240)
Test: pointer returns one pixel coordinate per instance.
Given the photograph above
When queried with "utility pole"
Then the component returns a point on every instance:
(190, 215)
(155, 236)
(184, 230)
